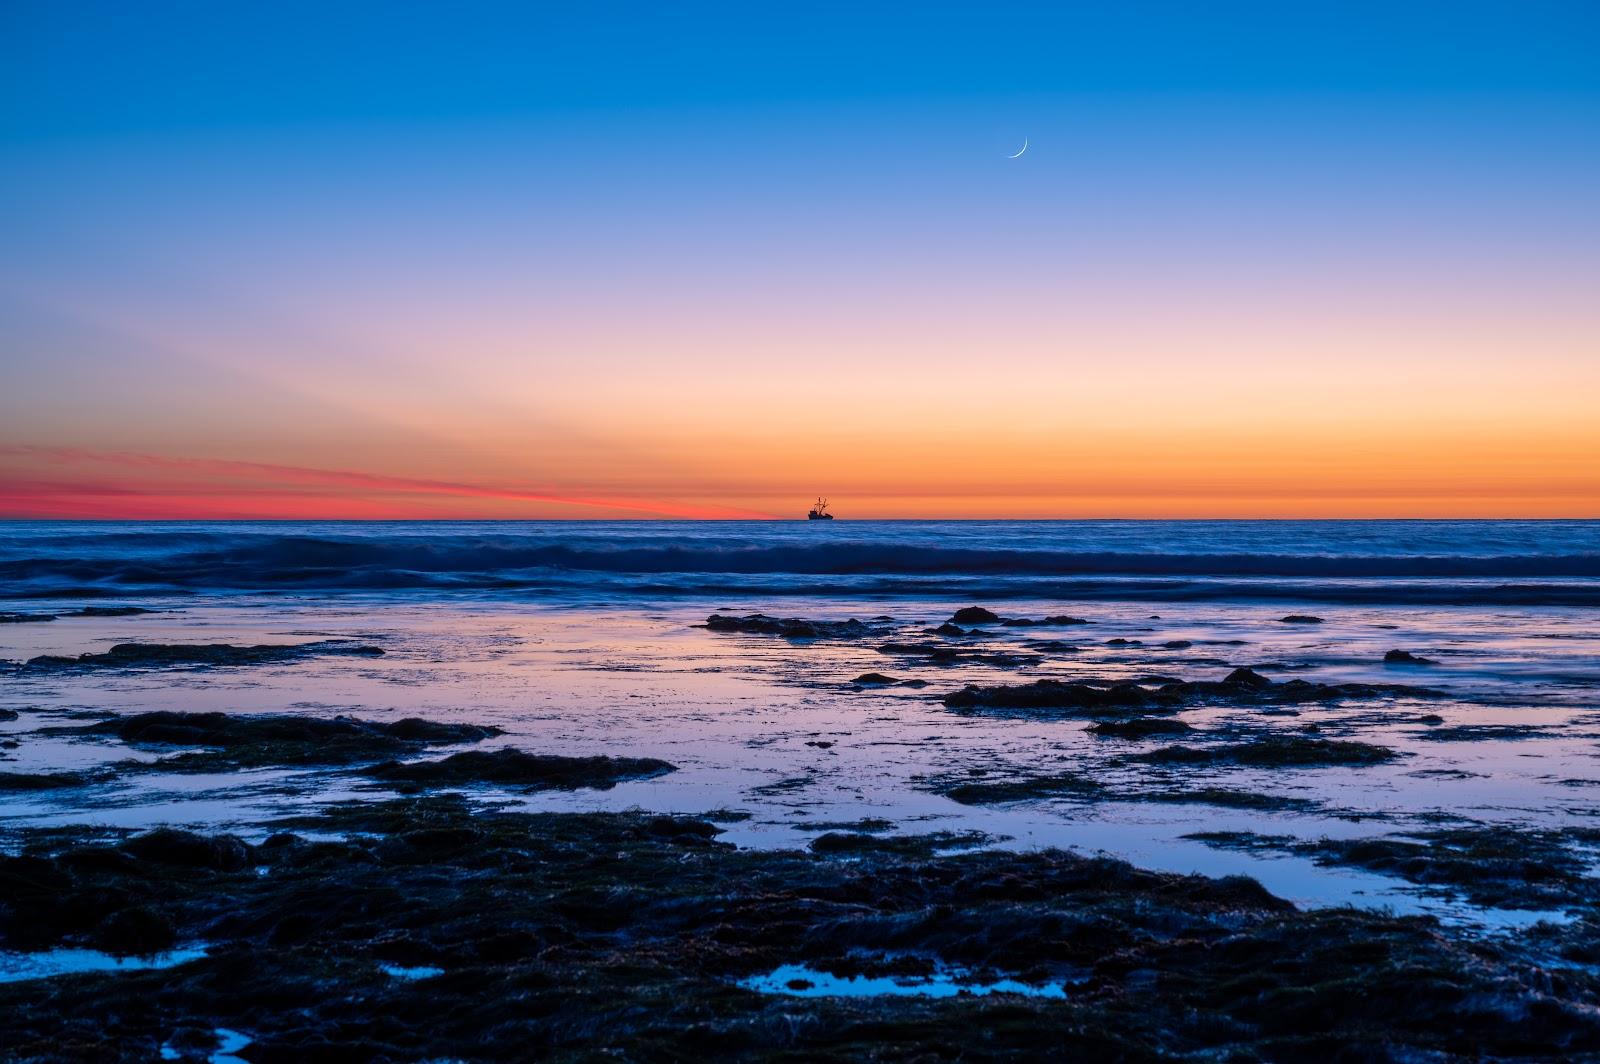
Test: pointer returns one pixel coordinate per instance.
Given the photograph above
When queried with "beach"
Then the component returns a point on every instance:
(891, 774)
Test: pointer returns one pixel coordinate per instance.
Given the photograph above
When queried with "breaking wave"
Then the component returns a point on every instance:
(1521, 562)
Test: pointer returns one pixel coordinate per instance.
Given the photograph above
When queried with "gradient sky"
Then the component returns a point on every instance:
(612, 260)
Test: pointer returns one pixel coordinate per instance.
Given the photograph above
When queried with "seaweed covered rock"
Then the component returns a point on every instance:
(1139, 727)
(942, 654)
(974, 615)
(517, 768)
(980, 791)
(41, 781)
(1055, 620)
(222, 853)
(1055, 695)
(1273, 750)
(109, 611)
(1242, 686)
(257, 740)
(1405, 657)
(198, 655)
(789, 627)
(589, 936)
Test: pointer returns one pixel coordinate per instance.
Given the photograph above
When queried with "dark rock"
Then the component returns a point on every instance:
(1405, 657)
(169, 655)
(1139, 727)
(108, 611)
(1457, 733)
(975, 615)
(36, 781)
(1230, 799)
(517, 768)
(943, 654)
(789, 627)
(1055, 620)
(1246, 677)
(1052, 694)
(874, 679)
(222, 853)
(258, 740)
(1300, 618)
(1272, 751)
(1160, 694)
(138, 930)
(1017, 788)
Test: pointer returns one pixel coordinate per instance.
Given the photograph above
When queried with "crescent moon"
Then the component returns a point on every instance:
(1020, 151)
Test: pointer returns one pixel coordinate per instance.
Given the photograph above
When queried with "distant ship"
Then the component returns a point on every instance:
(819, 512)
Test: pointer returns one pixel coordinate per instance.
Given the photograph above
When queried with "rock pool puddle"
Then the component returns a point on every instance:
(17, 967)
(400, 971)
(797, 980)
(228, 1045)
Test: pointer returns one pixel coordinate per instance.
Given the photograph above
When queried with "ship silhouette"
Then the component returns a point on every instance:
(819, 512)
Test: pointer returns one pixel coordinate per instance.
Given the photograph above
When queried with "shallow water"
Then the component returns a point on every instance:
(797, 980)
(607, 659)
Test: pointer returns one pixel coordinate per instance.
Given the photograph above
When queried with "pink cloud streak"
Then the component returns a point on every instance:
(36, 497)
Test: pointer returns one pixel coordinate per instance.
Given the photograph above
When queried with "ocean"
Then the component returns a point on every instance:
(591, 638)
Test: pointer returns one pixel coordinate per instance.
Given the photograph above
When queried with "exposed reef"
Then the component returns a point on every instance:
(1163, 694)
(517, 768)
(1405, 657)
(418, 930)
(1272, 751)
(942, 654)
(180, 655)
(1139, 727)
(274, 739)
(982, 791)
(791, 627)
(41, 781)
(87, 611)
(878, 679)
(980, 615)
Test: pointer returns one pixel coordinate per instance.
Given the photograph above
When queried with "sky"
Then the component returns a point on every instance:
(619, 260)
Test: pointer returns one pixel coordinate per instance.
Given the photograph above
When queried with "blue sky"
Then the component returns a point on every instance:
(600, 248)
(98, 69)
